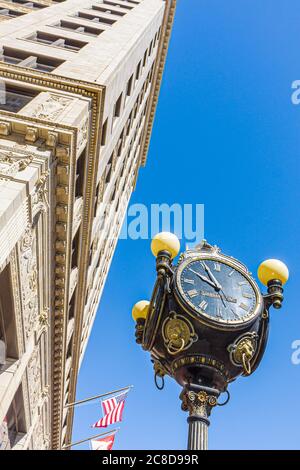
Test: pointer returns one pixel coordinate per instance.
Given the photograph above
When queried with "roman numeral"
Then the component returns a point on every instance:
(243, 283)
(217, 267)
(231, 272)
(219, 312)
(246, 295)
(244, 306)
(192, 293)
(203, 305)
(189, 281)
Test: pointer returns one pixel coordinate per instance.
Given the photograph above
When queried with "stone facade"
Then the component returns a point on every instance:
(79, 82)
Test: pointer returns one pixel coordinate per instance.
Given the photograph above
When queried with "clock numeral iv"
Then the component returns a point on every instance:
(203, 305)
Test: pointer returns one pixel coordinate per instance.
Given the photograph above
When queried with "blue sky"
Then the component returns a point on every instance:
(226, 135)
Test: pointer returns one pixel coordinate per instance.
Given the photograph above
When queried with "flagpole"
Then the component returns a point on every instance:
(113, 431)
(97, 396)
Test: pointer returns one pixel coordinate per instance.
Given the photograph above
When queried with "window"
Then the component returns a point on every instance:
(95, 19)
(15, 418)
(75, 250)
(57, 41)
(104, 133)
(118, 105)
(118, 5)
(28, 4)
(16, 98)
(150, 48)
(138, 71)
(108, 170)
(10, 13)
(129, 86)
(80, 175)
(26, 59)
(78, 28)
(8, 331)
(108, 11)
(145, 58)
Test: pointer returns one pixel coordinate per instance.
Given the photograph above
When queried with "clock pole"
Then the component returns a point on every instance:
(198, 401)
(190, 332)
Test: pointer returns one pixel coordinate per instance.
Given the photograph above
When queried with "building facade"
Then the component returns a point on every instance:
(79, 83)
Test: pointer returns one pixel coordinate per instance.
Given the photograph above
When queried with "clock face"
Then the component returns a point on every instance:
(217, 291)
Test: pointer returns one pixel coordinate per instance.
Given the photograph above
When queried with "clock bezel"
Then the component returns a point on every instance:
(200, 315)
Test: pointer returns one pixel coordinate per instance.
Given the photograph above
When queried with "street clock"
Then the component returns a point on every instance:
(207, 322)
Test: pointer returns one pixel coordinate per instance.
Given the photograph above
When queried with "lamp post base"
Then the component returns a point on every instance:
(198, 433)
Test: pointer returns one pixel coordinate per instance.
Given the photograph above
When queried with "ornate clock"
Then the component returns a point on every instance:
(217, 290)
(206, 323)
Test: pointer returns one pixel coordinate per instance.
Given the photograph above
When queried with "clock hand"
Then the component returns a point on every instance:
(212, 277)
(204, 278)
(221, 297)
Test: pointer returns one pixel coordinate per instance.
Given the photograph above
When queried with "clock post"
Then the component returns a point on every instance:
(206, 324)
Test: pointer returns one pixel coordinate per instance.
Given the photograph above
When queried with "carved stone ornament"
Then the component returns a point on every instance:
(11, 164)
(52, 107)
(82, 133)
(28, 274)
(43, 317)
(39, 197)
(34, 379)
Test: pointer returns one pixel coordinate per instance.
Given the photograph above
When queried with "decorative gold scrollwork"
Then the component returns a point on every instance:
(198, 403)
(242, 351)
(178, 333)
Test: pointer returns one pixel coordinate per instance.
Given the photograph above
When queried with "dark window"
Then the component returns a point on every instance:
(29, 60)
(145, 58)
(104, 132)
(95, 19)
(57, 41)
(80, 175)
(118, 105)
(129, 86)
(16, 98)
(118, 5)
(15, 417)
(108, 170)
(78, 28)
(10, 13)
(107, 10)
(138, 71)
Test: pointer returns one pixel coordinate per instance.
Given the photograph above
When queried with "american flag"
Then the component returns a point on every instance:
(112, 411)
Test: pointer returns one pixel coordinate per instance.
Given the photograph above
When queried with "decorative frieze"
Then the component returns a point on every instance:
(28, 279)
(34, 379)
(50, 108)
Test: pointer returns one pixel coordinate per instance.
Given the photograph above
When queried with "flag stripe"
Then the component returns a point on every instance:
(112, 411)
(113, 416)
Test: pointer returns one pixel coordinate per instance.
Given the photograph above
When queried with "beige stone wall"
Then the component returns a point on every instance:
(69, 159)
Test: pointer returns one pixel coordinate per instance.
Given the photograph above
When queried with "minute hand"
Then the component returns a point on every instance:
(212, 277)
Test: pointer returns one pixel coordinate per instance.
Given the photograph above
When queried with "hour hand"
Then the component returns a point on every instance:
(204, 278)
